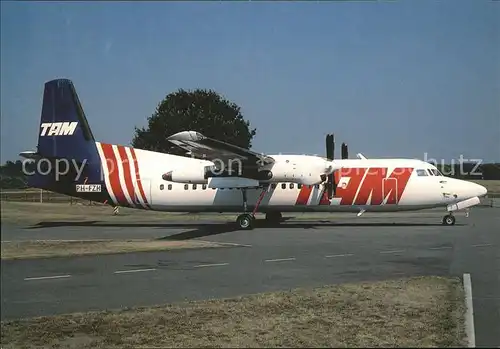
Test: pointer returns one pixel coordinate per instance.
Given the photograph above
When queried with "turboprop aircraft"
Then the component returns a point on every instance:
(70, 161)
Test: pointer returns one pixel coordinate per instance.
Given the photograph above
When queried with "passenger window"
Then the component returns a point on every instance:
(283, 186)
(421, 173)
(204, 186)
(291, 185)
(186, 187)
(194, 186)
(162, 186)
(299, 186)
(170, 187)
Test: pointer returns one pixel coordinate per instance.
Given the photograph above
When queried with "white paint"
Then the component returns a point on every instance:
(339, 255)
(211, 265)
(226, 243)
(47, 277)
(395, 251)
(481, 245)
(133, 271)
(464, 204)
(280, 259)
(469, 312)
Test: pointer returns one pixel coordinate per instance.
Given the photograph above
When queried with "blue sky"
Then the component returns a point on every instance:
(392, 79)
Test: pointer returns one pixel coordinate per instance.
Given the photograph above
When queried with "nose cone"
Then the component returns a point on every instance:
(472, 189)
(481, 191)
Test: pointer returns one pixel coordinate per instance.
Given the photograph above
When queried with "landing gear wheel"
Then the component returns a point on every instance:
(245, 221)
(449, 220)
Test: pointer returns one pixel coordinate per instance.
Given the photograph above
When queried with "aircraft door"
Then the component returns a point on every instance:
(390, 191)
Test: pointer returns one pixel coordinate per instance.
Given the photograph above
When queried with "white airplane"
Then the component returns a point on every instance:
(123, 176)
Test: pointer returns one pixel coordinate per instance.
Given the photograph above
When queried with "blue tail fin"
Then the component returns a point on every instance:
(65, 139)
(64, 130)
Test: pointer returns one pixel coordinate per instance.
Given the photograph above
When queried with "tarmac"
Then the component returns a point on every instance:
(296, 254)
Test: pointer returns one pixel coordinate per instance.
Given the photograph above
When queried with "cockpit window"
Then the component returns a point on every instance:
(429, 171)
(421, 173)
(436, 172)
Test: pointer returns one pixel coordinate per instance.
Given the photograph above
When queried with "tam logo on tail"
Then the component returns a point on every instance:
(58, 128)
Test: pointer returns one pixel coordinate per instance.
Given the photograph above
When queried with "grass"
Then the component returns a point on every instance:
(417, 312)
(34, 212)
(65, 248)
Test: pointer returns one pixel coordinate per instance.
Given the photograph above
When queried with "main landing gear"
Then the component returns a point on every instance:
(449, 219)
(246, 220)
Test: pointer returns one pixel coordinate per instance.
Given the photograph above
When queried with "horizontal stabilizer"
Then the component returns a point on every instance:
(30, 154)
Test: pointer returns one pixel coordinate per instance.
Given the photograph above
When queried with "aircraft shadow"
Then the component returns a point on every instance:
(215, 229)
(200, 230)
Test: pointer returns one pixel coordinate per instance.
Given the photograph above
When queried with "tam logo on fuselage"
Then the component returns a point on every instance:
(58, 128)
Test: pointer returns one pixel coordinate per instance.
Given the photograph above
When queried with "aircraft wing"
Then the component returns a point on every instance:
(211, 149)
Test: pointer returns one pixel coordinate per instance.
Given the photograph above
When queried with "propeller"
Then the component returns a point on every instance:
(345, 154)
(330, 149)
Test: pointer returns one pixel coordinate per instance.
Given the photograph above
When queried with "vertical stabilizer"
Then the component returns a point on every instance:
(66, 152)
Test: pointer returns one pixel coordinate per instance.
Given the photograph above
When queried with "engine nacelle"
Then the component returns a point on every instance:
(194, 175)
(301, 169)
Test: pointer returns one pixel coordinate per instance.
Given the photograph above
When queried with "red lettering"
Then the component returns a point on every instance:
(348, 193)
(372, 185)
(401, 176)
(374, 188)
(303, 197)
(324, 198)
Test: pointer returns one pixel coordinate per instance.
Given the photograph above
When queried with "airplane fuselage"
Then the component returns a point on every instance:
(133, 178)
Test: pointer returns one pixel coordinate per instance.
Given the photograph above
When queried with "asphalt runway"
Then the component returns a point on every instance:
(297, 254)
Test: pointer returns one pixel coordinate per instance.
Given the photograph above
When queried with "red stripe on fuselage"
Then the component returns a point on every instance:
(126, 172)
(114, 176)
(304, 194)
(138, 177)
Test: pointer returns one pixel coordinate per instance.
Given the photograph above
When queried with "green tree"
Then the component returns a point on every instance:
(199, 110)
(12, 176)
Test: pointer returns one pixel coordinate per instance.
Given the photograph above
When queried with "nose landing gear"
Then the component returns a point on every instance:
(449, 219)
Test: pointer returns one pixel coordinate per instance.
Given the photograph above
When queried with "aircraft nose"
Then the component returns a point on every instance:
(481, 191)
(474, 189)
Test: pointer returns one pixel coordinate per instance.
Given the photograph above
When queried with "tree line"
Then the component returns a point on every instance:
(211, 114)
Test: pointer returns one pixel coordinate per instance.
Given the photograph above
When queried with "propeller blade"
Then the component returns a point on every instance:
(345, 154)
(330, 146)
(330, 154)
(329, 185)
